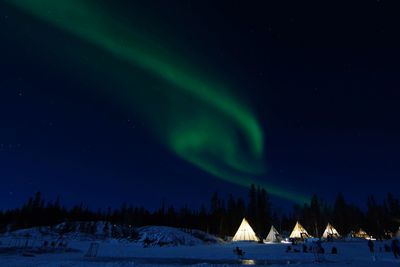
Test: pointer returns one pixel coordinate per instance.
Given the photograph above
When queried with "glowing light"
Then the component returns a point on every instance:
(248, 262)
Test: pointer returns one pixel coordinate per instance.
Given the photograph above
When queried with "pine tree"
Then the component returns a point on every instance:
(252, 206)
(315, 212)
(263, 212)
(340, 212)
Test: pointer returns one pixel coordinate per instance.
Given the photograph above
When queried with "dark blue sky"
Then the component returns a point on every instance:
(322, 78)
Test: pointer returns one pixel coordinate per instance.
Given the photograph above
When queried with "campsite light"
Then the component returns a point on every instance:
(248, 262)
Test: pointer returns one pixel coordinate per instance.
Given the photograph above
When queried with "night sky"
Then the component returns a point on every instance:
(112, 101)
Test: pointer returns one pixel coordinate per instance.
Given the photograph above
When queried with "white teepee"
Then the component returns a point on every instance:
(330, 231)
(361, 234)
(273, 236)
(299, 232)
(398, 233)
(245, 232)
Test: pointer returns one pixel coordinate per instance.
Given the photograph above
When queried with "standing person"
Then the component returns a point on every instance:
(398, 247)
(371, 249)
(318, 251)
(395, 248)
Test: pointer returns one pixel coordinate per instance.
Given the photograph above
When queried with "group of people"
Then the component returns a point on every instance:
(315, 247)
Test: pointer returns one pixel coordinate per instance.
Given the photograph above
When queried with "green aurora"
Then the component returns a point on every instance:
(200, 120)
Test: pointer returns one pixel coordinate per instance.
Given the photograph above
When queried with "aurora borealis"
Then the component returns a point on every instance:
(231, 95)
(206, 129)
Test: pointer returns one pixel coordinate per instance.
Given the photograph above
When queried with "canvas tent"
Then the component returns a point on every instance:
(245, 232)
(398, 233)
(273, 236)
(330, 232)
(299, 232)
(361, 234)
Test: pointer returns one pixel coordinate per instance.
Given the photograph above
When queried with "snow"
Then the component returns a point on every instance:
(164, 236)
(175, 247)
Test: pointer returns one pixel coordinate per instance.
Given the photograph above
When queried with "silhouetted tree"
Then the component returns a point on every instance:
(218, 219)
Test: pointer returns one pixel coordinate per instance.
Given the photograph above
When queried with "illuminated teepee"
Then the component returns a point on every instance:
(299, 232)
(330, 232)
(273, 236)
(245, 233)
(361, 234)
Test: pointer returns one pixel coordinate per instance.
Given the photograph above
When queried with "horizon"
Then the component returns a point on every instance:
(276, 204)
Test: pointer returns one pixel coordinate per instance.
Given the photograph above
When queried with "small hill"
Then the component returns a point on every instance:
(105, 231)
(169, 236)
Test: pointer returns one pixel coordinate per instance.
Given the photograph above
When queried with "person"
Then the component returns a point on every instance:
(371, 249)
(238, 252)
(395, 248)
(318, 251)
(319, 248)
(371, 246)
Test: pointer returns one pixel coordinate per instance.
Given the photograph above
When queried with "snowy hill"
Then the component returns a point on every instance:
(162, 236)
(95, 231)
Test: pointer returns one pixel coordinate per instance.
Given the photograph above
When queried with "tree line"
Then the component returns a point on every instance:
(221, 216)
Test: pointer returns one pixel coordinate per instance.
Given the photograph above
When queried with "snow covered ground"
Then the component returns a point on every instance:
(112, 252)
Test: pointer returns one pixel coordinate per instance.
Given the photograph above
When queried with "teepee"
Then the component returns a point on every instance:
(330, 231)
(299, 232)
(273, 236)
(245, 232)
(398, 233)
(361, 234)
